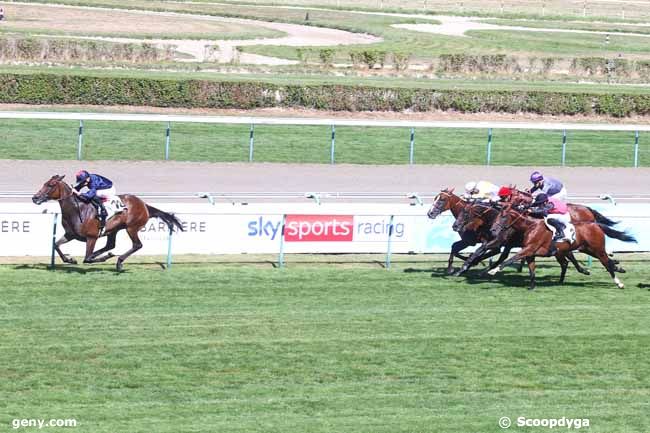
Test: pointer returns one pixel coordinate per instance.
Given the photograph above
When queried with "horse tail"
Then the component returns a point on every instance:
(602, 219)
(616, 234)
(170, 219)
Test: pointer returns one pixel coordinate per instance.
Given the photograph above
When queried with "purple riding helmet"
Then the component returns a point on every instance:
(536, 176)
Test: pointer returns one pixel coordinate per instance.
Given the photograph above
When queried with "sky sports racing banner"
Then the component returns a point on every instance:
(27, 229)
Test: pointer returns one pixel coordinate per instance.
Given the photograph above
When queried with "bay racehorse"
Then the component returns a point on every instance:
(444, 201)
(590, 239)
(79, 220)
(480, 217)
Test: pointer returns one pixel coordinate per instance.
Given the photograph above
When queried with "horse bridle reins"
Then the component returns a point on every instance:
(517, 217)
(74, 197)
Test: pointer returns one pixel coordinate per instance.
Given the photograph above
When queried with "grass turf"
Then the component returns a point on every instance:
(321, 348)
(103, 140)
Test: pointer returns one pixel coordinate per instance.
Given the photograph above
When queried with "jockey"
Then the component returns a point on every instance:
(482, 191)
(99, 188)
(550, 186)
(556, 213)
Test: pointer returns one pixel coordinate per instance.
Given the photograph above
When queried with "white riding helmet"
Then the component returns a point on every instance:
(470, 187)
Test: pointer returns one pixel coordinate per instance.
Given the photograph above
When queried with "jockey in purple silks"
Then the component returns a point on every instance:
(548, 185)
(99, 188)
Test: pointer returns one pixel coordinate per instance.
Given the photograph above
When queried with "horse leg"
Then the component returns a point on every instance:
(137, 244)
(520, 266)
(531, 271)
(525, 252)
(455, 248)
(57, 246)
(110, 244)
(564, 264)
(90, 247)
(577, 265)
(609, 265)
(504, 255)
(474, 258)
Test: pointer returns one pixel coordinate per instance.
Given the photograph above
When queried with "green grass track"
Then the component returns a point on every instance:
(104, 140)
(321, 348)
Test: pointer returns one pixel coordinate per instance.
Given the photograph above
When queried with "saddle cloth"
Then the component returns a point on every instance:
(113, 205)
(569, 231)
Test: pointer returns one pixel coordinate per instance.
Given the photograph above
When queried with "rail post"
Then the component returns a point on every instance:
(389, 245)
(167, 138)
(281, 254)
(412, 146)
(563, 147)
(251, 142)
(80, 141)
(636, 148)
(169, 249)
(56, 217)
(333, 145)
(489, 147)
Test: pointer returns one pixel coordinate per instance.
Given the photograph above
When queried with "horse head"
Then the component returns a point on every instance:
(441, 203)
(505, 219)
(53, 189)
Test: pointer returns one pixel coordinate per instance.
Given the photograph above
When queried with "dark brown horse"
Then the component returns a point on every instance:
(79, 220)
(478, 218)
(444, 201)
(590, 239)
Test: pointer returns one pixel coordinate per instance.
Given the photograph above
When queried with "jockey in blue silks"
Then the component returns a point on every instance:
(99, 187)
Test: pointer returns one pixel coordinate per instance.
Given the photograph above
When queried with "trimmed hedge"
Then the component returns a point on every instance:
(62, 89)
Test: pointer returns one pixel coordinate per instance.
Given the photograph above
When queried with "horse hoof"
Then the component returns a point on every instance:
(530, 289)
(450, 271)
(119, 266)
(621, 286)
(493, 272)
(69, 260)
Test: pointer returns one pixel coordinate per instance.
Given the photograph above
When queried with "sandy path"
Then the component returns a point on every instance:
(458, 26)
(169, 177)
(296, 35)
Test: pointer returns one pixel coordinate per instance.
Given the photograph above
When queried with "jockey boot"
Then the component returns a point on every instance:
(557, 236)
(102, 213)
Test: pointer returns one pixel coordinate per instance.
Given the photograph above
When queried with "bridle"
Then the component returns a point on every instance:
(501, 227)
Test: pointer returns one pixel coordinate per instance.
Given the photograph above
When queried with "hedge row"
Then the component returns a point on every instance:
(66, 89)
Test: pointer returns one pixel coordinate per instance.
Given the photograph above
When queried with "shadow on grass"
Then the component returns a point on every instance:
(512, 278)
(70, 269)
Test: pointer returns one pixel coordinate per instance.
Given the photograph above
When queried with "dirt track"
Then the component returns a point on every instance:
(168, 177)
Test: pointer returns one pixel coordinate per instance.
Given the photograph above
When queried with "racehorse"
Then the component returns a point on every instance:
(79, 220)
(590, 239)
(478, 218)
(444, 201)
(508, 239)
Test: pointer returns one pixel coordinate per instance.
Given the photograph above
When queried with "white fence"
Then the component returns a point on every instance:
(280, 228)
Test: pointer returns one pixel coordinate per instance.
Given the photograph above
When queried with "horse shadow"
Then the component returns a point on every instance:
(69, 269)
(511, 278)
